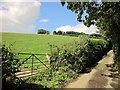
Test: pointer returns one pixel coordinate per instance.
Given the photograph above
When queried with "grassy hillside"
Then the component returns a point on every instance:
(34, 43)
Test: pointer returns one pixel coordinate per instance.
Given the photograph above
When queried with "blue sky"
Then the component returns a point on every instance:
(27, 17)
(57, 16)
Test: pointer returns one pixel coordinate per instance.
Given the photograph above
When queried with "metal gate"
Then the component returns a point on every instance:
(31, 61)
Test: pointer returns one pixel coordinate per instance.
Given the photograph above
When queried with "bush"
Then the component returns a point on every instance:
(79, 55)
(53, 79)
(9, 65)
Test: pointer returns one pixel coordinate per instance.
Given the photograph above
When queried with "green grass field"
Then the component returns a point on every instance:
(34, 43)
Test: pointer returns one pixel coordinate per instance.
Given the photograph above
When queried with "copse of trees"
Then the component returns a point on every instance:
(42, 31)
(58, 32)
(71, 32)
(68, 33)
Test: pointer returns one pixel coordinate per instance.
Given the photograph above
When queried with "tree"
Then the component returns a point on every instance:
(105, 15)
(72, 33)
(82, 33)
(59, 32)
(54, 32)
(42, 31)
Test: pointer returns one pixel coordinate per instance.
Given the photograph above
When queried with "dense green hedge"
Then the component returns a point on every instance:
(79, 55)
(69, 60)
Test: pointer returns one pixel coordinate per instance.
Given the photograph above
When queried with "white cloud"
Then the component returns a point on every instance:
(18, 15)
(78, 28)
(19, 0)
(44, 21)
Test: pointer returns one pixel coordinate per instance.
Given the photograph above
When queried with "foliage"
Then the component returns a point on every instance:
(68, 33)
(80, 55)
(59, 32)
(72, 33)
(96, 35)
(54, 32)
(105, 15)
(53, 79)
(9, 62)
(42, 31)
(9, 65)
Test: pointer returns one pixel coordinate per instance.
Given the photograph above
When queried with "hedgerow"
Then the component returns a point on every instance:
(79, 56)
(67, 61)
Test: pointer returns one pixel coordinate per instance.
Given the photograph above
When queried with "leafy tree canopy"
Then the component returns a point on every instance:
(105, 15)
(42, 31)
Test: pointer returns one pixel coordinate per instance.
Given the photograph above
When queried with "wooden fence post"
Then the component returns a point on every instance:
(48, 58)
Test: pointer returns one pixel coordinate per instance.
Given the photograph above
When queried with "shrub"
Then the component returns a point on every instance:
(9, 65)
(53, 79)
(79, 55)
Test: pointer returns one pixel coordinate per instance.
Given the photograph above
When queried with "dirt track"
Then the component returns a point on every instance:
(94, 79)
